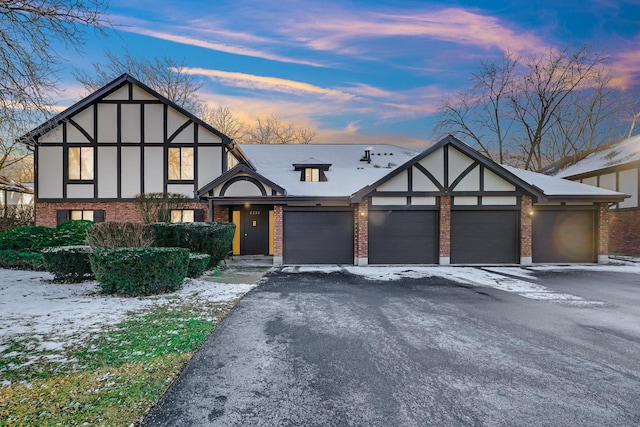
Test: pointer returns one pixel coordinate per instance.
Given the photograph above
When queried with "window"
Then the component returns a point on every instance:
(183, 215)
(77, 215)
(81, 163)
(312, 175)
(181, 164)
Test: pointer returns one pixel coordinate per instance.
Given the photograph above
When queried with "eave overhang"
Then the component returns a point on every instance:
(238, 169)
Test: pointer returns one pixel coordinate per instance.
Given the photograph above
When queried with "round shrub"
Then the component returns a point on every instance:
(197, 264)
(72, 233)
(27, 238)
(68, 264)
(139, 271)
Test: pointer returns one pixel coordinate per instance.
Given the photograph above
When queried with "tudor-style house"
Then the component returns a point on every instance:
(311, 204)
(614, 167)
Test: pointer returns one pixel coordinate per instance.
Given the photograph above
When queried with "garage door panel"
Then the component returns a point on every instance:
(403, 237)
(318, 237)
(485, 237)
(564, 236)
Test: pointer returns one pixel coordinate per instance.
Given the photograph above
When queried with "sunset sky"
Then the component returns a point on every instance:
(358, 71)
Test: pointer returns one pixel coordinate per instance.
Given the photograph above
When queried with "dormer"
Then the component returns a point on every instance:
(312, 170)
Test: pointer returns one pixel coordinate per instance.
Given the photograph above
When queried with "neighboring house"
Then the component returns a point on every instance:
(613, 167)
(14, 194)
(310, 204)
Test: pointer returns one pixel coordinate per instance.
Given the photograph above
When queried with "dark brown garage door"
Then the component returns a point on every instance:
(403, 237)
(485, 237)
(564, 236)
(318, 237)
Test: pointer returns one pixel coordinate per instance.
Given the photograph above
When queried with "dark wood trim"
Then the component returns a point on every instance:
(463, 175)
(485, 207)
(430, 176)
(129, 101)
(180, 129)
(65, 160)
(251, 179)
(317, 208)
(565, 208)
(404, 207)
(82, 131)
(130, 88)
(441, 193)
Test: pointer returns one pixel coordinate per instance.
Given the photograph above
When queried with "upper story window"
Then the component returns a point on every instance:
(312, 170)
(312, 174)
(81, 163)
(181, 164)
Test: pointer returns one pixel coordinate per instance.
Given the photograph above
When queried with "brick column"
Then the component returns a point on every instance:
(603, 233)
(361, 234)
(526, 220)
(277, 235)
(220, 213)
(445, 230)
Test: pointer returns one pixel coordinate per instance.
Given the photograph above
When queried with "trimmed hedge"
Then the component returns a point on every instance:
(213, 238)
(68, 264)
(22, 260)
(197, 264)
(139, 271)
(27, 238)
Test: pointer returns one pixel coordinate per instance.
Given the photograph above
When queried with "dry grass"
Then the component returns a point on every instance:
(120, 235)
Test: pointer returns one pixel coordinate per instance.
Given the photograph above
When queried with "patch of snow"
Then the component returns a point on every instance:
(60, 314)
(494, 277)
(625, 151)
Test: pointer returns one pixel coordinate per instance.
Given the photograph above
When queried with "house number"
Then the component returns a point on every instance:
(254, 212)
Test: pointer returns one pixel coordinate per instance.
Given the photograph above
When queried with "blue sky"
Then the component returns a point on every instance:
(358, 71)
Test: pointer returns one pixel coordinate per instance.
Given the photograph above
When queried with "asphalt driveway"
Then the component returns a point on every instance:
(338, 349)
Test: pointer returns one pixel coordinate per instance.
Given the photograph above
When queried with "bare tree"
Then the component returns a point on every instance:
(532, 111)
(222, 119)
(29, 63)
(163, 74)
(272, 130)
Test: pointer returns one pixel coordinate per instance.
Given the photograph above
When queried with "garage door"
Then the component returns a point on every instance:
(318, 237)
(485, 237)
(403, 237)
(564, 236)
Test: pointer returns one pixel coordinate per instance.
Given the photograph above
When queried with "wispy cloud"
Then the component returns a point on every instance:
(177, 33)
(462, 26)
(265, 83)
(624, 66)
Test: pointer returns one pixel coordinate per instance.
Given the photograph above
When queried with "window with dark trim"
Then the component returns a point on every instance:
(182, 215)
(181, 164)
(78, 215)
(312, 175)
(81, 163)
(63, 215)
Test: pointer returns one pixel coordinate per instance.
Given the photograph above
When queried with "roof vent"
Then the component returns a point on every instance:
(367, 155)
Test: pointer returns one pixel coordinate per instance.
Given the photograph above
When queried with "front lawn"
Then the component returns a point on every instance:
(70, 356)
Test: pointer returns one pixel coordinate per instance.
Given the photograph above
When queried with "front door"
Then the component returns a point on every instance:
(254, 230)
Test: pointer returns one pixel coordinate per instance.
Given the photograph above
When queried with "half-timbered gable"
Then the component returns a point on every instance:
(123, 140)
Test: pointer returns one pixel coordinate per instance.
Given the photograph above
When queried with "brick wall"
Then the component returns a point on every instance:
(277, 231)
(526, 208)
(445, 226)
(361, 235)
(113, 211)
(624, 232)
(220, 213)
(603, 232)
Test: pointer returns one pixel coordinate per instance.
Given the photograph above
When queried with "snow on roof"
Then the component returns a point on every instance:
(625, 151)
(555, 186)
(346, 175)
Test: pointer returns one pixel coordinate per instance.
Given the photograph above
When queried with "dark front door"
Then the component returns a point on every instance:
(254, 230)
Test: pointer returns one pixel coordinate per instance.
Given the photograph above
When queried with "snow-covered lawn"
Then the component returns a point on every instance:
(50, 316)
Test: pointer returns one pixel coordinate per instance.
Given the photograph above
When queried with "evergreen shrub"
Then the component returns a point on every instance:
(213, 238)
(21, 260)
(139, 271)
(68, 264)
(197, 264)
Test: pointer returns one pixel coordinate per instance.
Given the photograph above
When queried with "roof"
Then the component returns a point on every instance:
(347, 173)
(558, 188)
(472, 153)
(620, 153)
